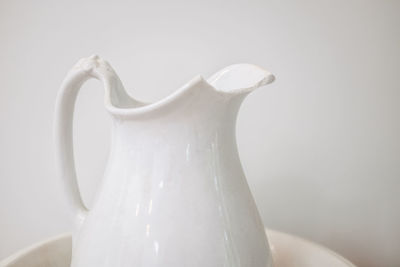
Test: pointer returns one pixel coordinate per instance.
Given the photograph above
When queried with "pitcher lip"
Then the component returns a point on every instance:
(148, 107)
(183, 90)
(245, 77)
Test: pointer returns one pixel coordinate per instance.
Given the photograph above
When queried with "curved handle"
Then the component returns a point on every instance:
(86, 68)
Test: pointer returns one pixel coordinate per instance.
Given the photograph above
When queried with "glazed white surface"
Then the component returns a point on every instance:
(287, 251)
(174, 192)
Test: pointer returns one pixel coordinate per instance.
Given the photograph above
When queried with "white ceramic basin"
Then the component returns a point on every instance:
(287, 251)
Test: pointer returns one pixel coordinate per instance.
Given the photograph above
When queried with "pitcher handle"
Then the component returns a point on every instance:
(86, 68)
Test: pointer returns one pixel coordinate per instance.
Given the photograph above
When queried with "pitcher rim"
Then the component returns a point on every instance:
(102, 70)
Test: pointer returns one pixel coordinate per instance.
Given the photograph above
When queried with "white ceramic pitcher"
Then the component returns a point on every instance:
(174, 193)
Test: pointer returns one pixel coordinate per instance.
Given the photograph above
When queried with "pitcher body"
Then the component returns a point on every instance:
(174, 192)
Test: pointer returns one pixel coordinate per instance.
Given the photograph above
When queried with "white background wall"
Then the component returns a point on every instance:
(320, 146)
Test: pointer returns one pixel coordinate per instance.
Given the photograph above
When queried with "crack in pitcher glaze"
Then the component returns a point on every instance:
(174, 193)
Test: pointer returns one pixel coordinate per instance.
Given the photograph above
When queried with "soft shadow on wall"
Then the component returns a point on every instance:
(320, 146)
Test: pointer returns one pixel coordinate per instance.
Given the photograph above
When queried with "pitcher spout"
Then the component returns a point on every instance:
(240, 79)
